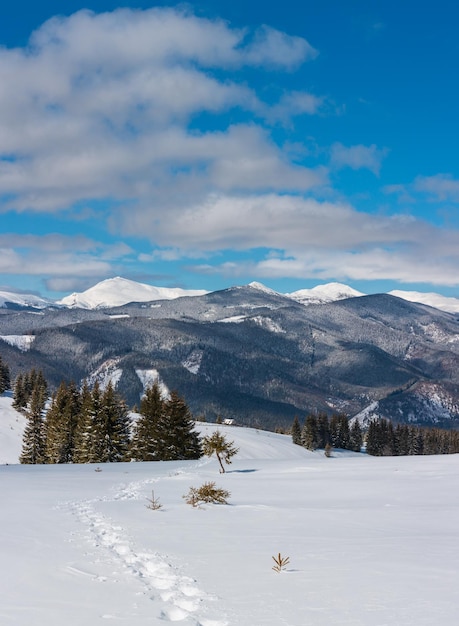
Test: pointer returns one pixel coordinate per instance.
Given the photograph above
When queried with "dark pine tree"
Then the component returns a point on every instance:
(309, 437)
(374, 439)
(114, 427)
(33, 443)
(355, 437)
(180, 441)
(341, 435)
(61, 424)
(83, 429)
(296, 431)
(20, 397)
(5, 381)
(147, 438)
(323, 430)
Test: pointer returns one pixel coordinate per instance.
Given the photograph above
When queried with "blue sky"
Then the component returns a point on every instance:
(208, 144)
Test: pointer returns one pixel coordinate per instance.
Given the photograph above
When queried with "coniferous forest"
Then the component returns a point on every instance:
(93, 425)
(382, 438)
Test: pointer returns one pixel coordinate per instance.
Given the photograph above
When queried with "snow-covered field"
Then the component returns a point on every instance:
(371, 541)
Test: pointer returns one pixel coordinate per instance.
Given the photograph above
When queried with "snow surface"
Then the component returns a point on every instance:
(107, 372)
(371, 541)
(193, 361)
(22, 342)
(12, 425)
(151, 376)
(118, 291)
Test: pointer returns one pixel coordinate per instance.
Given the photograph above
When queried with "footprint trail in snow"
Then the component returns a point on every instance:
(181, 600)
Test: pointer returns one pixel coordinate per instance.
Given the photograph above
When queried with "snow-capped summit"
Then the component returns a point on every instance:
(118, 291)
(324, 293)
(263, 288)
(23, 300)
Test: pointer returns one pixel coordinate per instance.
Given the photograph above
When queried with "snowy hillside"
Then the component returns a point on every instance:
(23, 300)
(12, 426)
(118, 291)
(371, 541)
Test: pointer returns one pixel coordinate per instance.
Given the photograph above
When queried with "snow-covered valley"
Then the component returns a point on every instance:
(372, 541)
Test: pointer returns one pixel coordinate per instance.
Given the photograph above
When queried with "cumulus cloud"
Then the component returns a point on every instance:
(143, 119)
(272, 47)
(99, 106)
(323, 241)
(358, 157)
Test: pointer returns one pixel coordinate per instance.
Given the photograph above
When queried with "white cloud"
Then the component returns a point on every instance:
(272, 47)
(293, 104)
(99, 106)
(321, 241)
(441, 187)
(358, 157)
(108, 108)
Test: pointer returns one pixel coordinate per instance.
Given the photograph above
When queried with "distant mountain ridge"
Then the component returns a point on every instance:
(118, 291)
(253, 354)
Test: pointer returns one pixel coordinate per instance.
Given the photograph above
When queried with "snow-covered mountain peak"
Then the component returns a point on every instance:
(261, 287)
(118, 291)
(23, 300)
(324, 293)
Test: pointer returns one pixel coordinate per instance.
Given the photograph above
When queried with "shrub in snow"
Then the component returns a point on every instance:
(207, 493)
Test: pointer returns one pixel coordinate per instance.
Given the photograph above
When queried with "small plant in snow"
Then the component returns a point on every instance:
(153, 503)
(223, 448)
(280, 562)
(207, 493)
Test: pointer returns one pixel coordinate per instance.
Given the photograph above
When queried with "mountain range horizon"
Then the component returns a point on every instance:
(118, 291)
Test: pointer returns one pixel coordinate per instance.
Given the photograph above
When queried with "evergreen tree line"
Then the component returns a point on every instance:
(91, 425)
(385, 439)
(320, 431)
(5, 382)
(25, 385)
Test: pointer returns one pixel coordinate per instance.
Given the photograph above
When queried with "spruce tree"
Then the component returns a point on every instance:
(296, 431)
(33, 443)
(19, 394)
(309, 433)
(5, 382)
(84, 427)
(147, 439)
(113, 427)
(95, 427)
(355, 436)
(374, 444)
(323, 430)
(61, 423)
(340, 436)
(180, 440)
